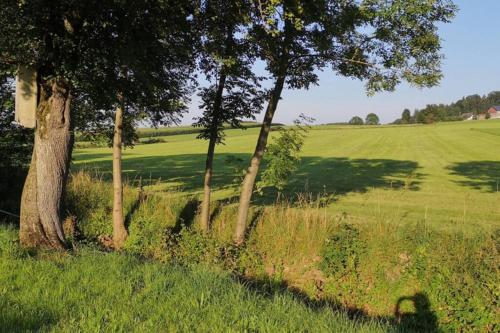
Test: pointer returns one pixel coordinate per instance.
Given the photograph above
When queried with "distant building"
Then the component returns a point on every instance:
(494, 112)
(467, 116)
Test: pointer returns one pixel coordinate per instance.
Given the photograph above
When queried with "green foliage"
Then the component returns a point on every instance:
(193, 247)
(149, 141)
(406, 116)
(226, 58)
(93, 48)
(342, 251)
(356, 121)
(381, 41)
(372, 119)
(283, 154)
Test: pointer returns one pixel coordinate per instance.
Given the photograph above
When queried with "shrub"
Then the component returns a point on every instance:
(342, 251)
(152, 224)
(90, 201)
(151, 140)
(283, 154)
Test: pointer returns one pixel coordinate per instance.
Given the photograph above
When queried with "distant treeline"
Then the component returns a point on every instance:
(85, 141)
(459, 110)
(168, 131)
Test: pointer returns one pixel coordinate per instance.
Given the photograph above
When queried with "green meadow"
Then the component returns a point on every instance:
(381, 229)
(446, 175)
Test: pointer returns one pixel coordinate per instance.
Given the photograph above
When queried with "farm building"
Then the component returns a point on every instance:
(494, 112)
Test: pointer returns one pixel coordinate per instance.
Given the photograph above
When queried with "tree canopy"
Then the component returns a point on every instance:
(372, 119)
(226, 58)
(90, 42)
(356, 121)
(406, 116)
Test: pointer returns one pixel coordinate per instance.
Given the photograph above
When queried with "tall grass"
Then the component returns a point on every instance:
(91, 291)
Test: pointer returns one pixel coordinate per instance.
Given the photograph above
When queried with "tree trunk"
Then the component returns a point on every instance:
(119, 232)
(205, 207)
(251, 174)
(43, 192)
(207, 186)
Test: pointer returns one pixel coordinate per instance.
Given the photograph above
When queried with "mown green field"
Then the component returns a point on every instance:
(446, 175)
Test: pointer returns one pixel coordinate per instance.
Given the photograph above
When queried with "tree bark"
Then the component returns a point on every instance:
(207, 185)
(252, 171)
(43, 192)
(119, 232)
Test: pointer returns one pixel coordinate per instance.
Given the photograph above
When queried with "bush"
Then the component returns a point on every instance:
(342, 251)
(151, 140)
(153, 223)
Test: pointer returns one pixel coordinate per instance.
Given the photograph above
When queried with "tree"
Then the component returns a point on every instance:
(356, 121)
(406, 116)
(149, 77)
(234, 92)
(372, 119)
(382, 42)
(69, 43)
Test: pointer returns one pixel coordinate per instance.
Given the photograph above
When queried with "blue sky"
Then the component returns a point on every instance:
(471, 46)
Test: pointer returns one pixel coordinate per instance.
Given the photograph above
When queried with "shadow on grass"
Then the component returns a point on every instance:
(315, 174)
(141, 197)
(17, 318)
(422, 319)
(187, 215)
(480, 175)
(342, 175)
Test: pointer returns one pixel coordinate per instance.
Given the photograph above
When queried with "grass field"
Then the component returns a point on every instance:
(446, 175)
(401, 234)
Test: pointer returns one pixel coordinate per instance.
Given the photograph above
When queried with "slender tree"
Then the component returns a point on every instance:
(71, 46)
(152, 76)
(380, 41)
(226, 59)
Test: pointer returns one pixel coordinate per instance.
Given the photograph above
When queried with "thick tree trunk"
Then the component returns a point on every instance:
(207, 185)
(119, 232)
(253, 169)
(41, 201)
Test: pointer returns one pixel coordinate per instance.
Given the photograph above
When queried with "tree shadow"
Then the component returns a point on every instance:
(15, 317)
(141, 197)
(315, 174)
(84, 155)
(186, 216)
(480, 175)
(341, 175)
(422, 319)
